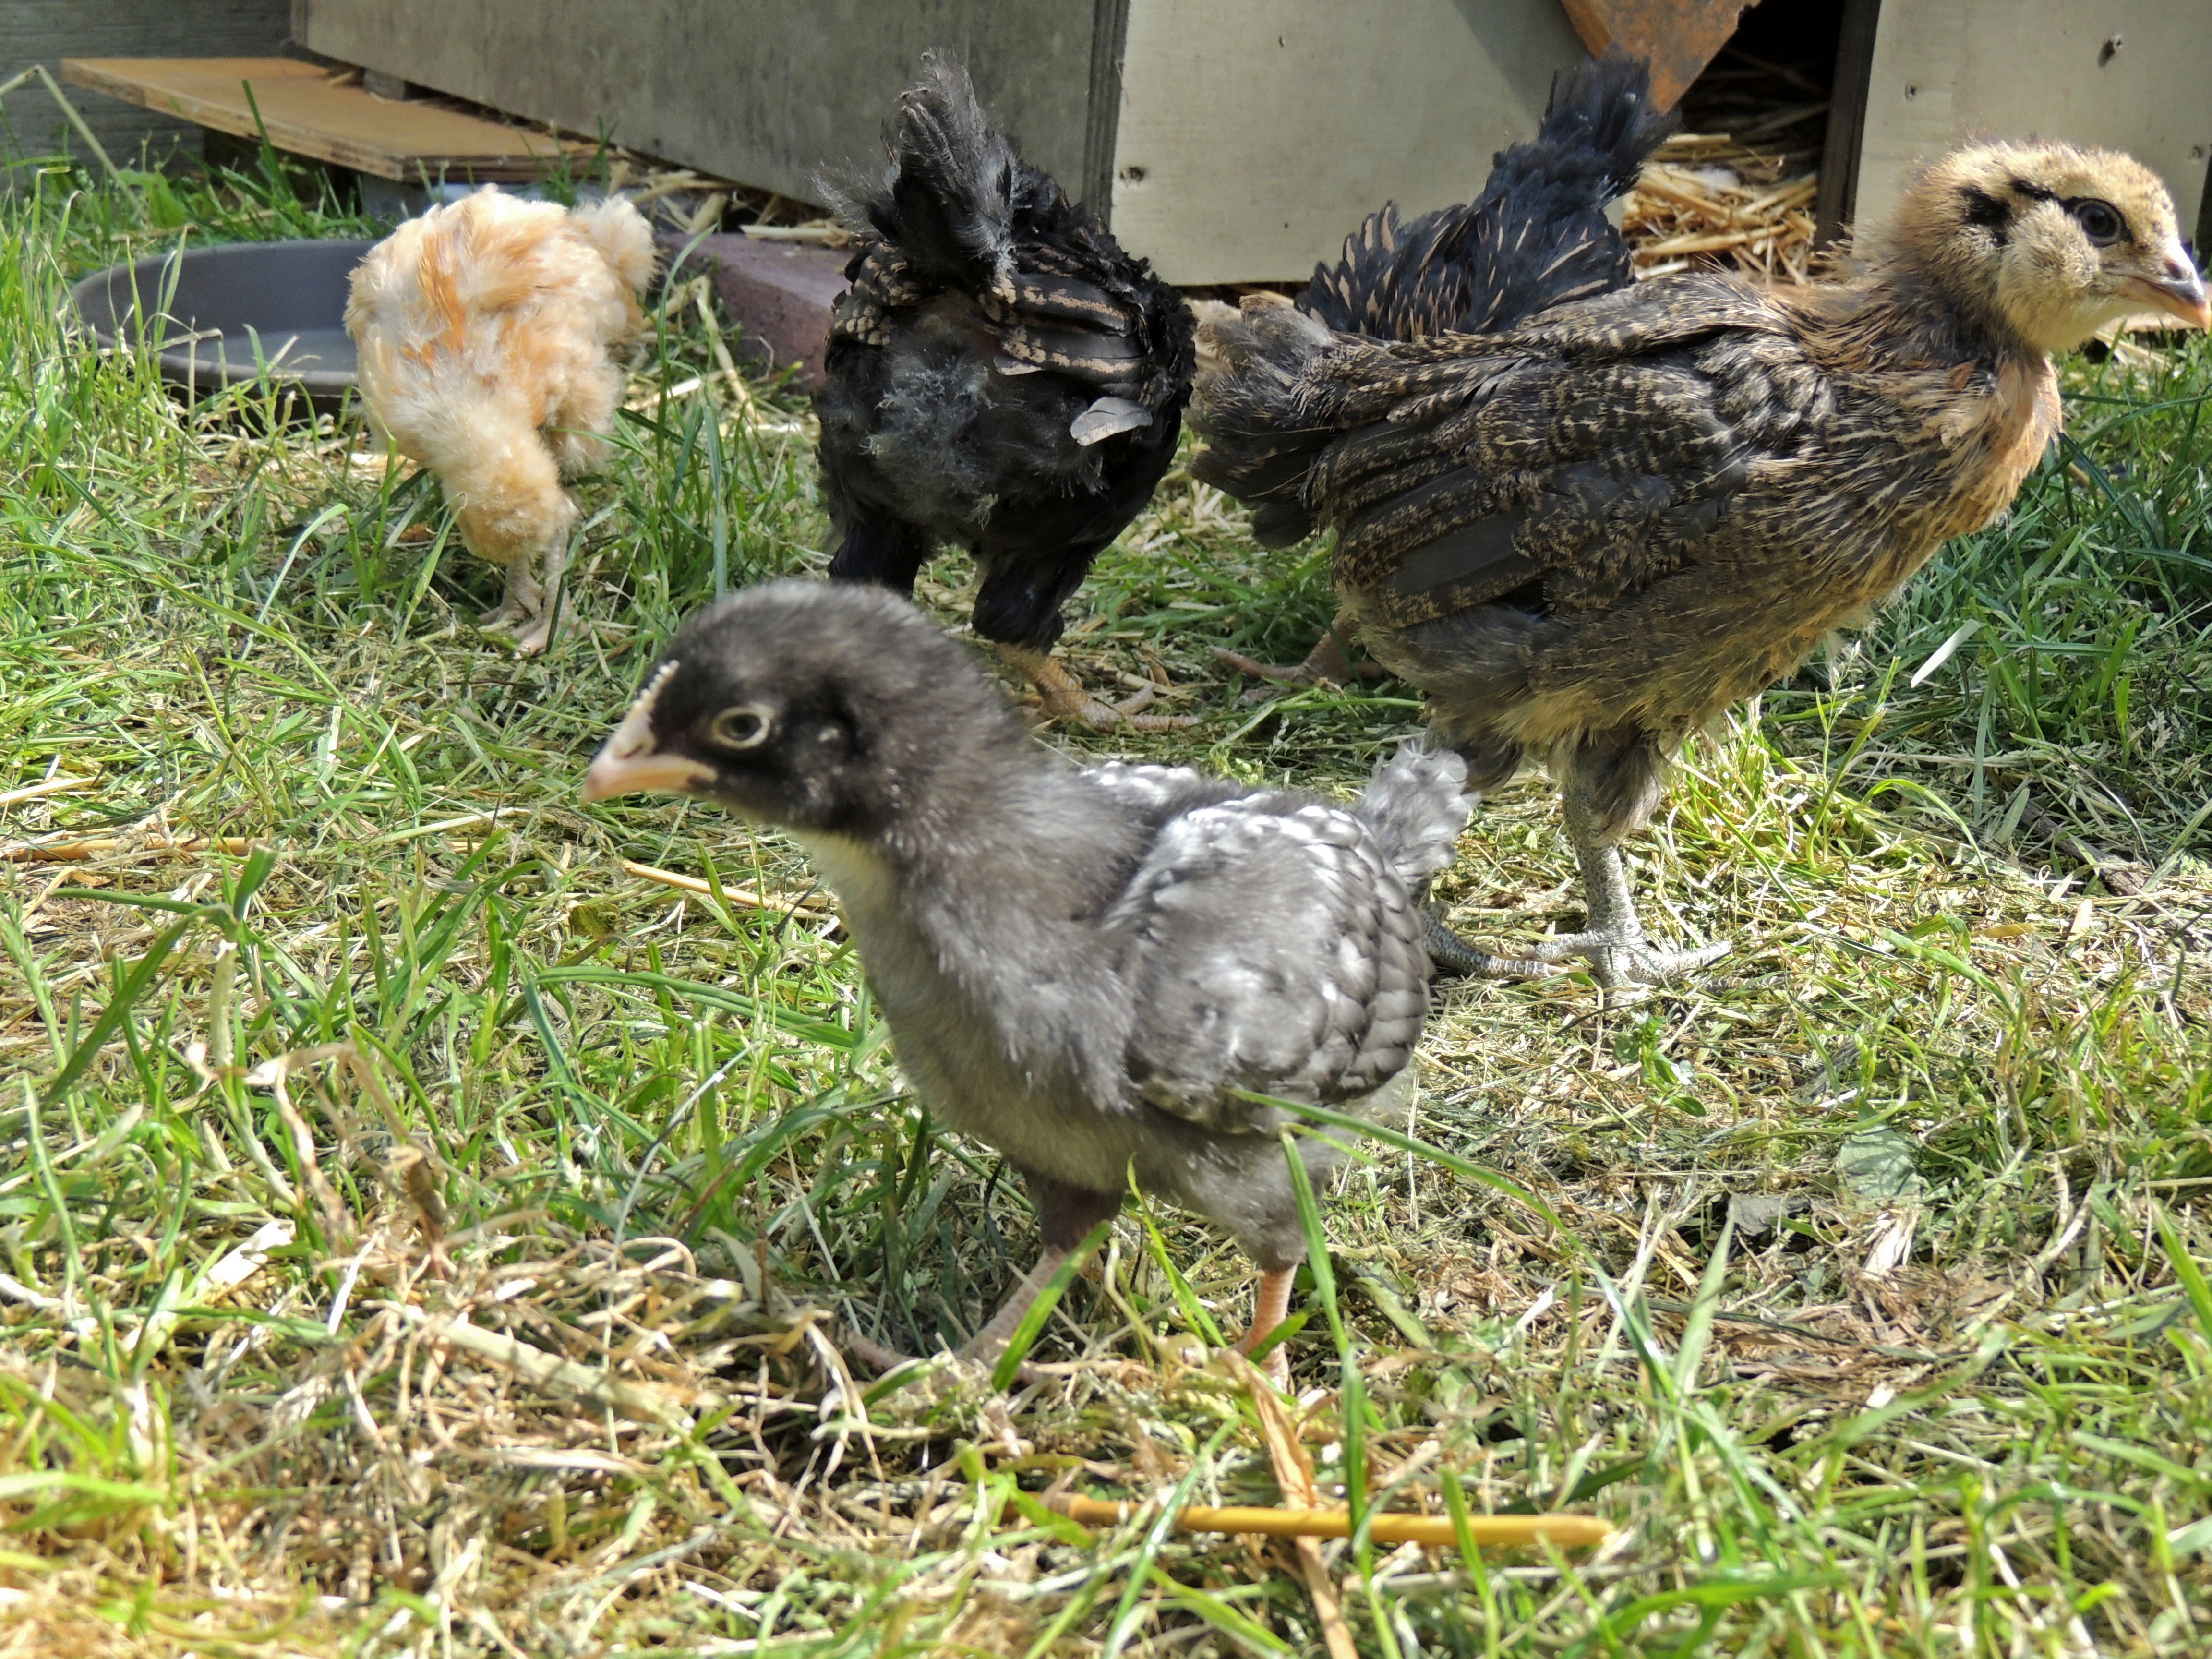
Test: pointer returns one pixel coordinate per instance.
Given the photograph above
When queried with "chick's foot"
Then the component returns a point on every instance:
(1327, 661)
(1621, 958)
(1062, 696)
(1450, 954)
(534, 635)
(529, 609)
(986, 1345)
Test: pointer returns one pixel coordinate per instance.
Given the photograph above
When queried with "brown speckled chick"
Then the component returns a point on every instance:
(1090, 971)
(1587, 536)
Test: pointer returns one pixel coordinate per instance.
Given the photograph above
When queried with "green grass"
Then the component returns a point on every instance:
(1876, 1312)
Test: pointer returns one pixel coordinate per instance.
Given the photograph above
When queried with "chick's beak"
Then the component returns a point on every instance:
(2178, 290)
(629, 762)
(611, 773)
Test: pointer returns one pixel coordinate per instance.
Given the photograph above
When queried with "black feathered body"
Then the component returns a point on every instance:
(1536, 236)
(1079, 968)
(1001, 375)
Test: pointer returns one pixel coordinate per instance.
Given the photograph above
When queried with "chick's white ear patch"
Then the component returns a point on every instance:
(635, 735)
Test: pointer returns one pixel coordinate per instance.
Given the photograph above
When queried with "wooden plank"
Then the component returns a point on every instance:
(1680, 37)
(766, 92)
(1254, 135)
(309, 111)
(1946, 70)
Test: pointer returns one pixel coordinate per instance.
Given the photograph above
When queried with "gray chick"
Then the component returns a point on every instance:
(1080, 968)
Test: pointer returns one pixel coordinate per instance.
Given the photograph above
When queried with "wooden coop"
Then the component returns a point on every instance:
(1239, 140)
(1236, 141)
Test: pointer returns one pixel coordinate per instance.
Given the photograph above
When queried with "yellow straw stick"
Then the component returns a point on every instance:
(1500, 1531)
(79, 852)
(745, 897)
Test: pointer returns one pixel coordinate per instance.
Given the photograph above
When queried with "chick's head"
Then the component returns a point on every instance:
(819, 708)
(2051, 242)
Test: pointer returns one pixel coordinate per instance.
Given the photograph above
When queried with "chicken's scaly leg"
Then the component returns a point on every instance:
(518, 604)
(987, 1343)
(1325, 661)
(533, 633)
(1063, 697)
(1622, 956)
(1271, 1305)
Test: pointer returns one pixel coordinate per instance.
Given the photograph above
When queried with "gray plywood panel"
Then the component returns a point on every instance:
(761, 91)
(47, 31)
(1946, 70)
(1254, 134)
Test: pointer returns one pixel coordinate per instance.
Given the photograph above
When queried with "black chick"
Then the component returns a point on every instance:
(1079, 968)
(1537, 236)
(1586, 537)
(1001, 375)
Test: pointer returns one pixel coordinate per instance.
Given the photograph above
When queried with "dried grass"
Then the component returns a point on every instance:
(1706, 198)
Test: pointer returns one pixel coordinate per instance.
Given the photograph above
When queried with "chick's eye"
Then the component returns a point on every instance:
(2100, 222)
(746, 726)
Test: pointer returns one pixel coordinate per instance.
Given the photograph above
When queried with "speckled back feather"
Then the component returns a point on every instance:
(1588, 535)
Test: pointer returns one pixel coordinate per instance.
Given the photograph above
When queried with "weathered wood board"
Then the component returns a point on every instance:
(1680, 37)
(1228, 140)
(1254, 134)
(307, 110)
(765, 92)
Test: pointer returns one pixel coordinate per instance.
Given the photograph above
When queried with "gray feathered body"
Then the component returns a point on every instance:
(1105, 957)
(1082, 969)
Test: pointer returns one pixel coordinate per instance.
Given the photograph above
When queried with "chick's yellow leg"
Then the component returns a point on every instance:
(505, 487)
(520, 601)
(1271, 1305)
(1062, 696)
(533, 630)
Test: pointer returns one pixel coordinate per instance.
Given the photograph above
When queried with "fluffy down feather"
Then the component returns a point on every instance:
(1081, 969)
(486, 330)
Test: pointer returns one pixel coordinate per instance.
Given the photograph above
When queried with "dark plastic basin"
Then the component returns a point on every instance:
(233, 310)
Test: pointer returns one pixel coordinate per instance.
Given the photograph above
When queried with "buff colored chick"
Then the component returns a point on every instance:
(487, 331)
(1587, 536)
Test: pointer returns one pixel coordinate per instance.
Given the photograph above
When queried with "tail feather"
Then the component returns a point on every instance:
(945, 197)
(1598, 130)
(1535, 237)
(1417, 804)
(618, 230)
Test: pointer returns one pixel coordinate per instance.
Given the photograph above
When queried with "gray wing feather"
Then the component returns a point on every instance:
(1269, 951)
